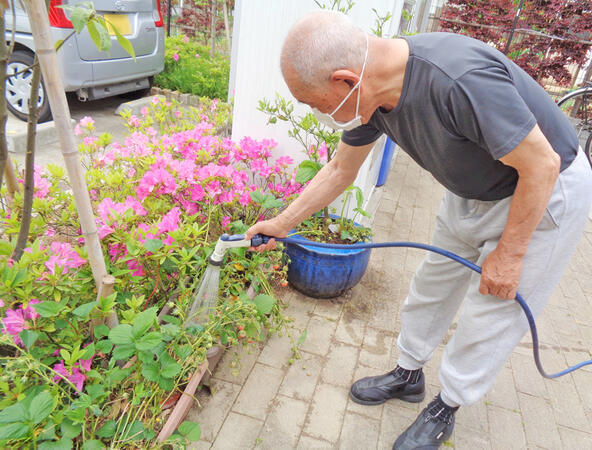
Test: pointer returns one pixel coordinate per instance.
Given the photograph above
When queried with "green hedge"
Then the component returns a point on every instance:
(192, 70)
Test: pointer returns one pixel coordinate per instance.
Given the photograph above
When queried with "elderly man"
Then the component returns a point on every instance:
(518, 192)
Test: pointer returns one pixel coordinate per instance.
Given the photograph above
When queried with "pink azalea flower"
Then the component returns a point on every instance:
(14, 322)
(63, 255)
(144, 111)
(30, 312)
(86, 122)
(176, 57)
(77, 378)
(90, 140)
(134, 121)
(155, 100)
(77, 130)
(225, 222)
(86, 363)
(1, 303)
(170, 221)
(185, 39)
(197, 55)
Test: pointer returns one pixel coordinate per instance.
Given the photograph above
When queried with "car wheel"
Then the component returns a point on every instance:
(18, 87)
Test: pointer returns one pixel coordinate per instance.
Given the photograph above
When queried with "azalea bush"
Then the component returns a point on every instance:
(188, 68)
(162, 197)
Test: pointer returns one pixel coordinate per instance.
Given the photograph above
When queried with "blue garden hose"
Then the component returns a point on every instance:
(261, 239)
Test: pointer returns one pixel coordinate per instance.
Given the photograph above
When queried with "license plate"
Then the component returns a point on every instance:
(120, 22)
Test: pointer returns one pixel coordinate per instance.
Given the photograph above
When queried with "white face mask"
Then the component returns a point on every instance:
(328, 120)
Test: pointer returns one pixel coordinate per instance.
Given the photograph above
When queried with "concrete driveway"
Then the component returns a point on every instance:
(48, 148)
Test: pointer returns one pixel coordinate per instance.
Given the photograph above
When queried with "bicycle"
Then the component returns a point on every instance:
(578, 107)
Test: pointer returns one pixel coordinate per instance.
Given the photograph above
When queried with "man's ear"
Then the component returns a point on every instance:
(345, 75)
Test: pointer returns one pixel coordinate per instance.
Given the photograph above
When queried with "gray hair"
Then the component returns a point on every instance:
(319, 44)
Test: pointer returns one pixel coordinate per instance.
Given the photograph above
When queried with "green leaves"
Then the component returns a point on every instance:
(100, 35)
(28, 337)
(16, 419)
(267, 201)
(149, 341)
(190, 431)
(124, 42)
(41, 406)
(107, 430)
(264, 303)
(153, 245)
(13, 430)
(83, 311)
(143, 322)
(48, 309)
(307, 170)
(121, 334)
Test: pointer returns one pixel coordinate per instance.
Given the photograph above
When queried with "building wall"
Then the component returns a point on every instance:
(260, 27)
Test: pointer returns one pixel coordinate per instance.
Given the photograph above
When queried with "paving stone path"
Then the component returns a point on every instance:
(266, 403)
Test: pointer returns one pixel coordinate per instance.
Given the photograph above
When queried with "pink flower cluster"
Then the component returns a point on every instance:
(76, 375)
(15, 320)
(63, 256)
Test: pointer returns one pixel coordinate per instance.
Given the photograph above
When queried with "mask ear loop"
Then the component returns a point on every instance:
(357, 86)
(361, 75)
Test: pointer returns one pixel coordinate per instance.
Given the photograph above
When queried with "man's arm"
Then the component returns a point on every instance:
(325, 187)
(538, 166)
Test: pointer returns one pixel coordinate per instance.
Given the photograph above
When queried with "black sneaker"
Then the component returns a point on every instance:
(379, 389)
(432, 427)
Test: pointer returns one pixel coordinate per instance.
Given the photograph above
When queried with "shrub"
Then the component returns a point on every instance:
(162, 197)
(540, 56)
(188, 68)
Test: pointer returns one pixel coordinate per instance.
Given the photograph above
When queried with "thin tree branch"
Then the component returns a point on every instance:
(3, 113)
(23, 235)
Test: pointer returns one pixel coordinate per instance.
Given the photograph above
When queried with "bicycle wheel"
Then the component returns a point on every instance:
(588, 148)
(577, 105)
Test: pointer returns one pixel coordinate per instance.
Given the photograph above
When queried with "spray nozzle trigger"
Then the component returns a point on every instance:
(259, 239)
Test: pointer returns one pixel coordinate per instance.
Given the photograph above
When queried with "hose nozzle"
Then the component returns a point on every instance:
(227, 241)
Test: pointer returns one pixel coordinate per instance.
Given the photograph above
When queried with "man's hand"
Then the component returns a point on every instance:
(500, 274)
(276, 227)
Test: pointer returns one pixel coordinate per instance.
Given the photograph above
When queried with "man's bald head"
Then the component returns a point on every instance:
(319, 44)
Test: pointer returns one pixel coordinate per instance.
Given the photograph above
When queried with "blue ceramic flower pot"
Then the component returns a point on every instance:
(324, 273)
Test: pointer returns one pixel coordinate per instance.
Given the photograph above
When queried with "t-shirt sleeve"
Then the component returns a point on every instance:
(362, 135)
(487, 109)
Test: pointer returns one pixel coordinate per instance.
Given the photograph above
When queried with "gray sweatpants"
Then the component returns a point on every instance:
(488, 327)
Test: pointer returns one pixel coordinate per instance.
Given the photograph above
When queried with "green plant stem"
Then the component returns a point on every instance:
(23, 235)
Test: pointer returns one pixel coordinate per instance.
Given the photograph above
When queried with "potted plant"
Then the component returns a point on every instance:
(322, 273)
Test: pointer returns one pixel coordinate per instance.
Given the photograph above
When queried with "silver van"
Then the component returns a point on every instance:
(88, 72)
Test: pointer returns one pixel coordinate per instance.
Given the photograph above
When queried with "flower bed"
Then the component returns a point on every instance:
(162, 197)
(188, 68)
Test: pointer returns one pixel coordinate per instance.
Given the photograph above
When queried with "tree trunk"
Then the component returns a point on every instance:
(23, 235)
(213, 28)
(226, 27)
(43, 40)
(3, 112)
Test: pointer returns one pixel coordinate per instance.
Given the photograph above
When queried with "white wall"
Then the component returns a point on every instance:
(260, 27)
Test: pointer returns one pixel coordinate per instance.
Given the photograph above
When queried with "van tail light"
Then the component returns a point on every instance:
(157, 13)
(57, 16)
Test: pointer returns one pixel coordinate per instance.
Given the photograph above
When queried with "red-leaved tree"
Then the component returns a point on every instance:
(541, 56)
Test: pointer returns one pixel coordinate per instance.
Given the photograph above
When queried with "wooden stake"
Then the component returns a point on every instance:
(43, 40)
(182, 406)
(12, 186)
(105, 290)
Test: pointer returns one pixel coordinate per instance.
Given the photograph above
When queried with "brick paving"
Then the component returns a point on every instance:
(260, 400)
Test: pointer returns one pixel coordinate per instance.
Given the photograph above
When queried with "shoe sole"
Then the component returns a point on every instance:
(412, 398)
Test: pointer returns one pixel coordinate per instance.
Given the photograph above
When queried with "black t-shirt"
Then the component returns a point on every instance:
(463, 106)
